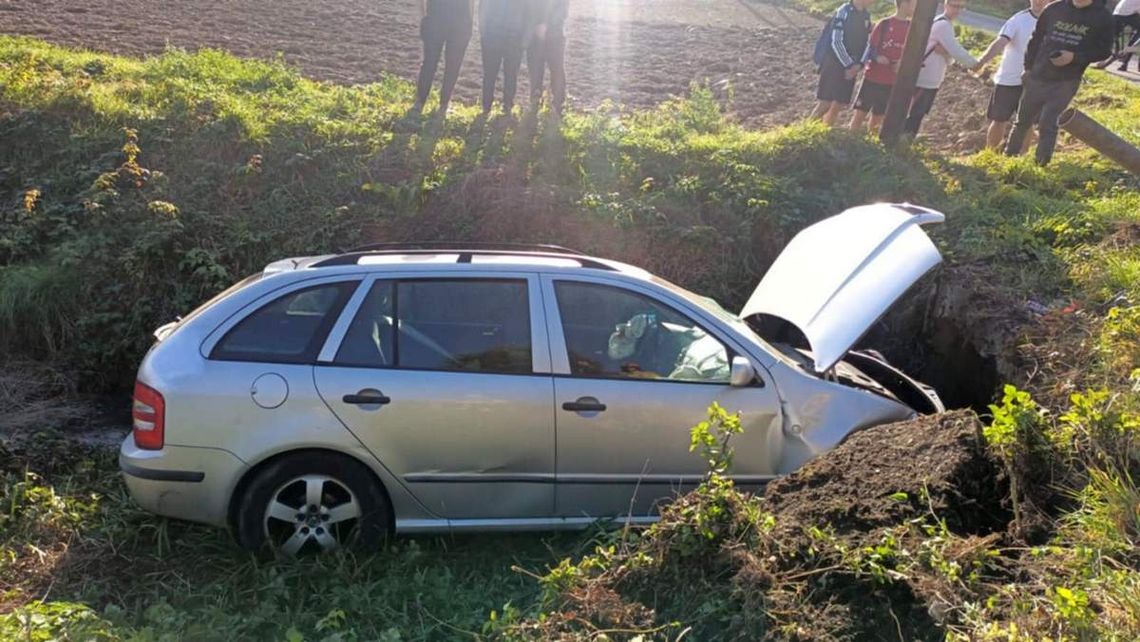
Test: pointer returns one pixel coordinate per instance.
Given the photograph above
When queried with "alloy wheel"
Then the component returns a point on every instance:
(310, 513)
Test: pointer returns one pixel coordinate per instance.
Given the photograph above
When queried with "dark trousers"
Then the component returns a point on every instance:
(920, 106)
(445, 37)
(548, 52)
(1121, 22)
(1042, 102)
(501, 51)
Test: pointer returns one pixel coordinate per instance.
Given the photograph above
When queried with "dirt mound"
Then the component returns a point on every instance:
(885, 537)
(885, 475)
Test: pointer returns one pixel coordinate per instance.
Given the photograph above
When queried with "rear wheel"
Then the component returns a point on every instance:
(312, 503)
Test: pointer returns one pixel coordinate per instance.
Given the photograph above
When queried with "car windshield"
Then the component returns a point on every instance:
(708, 304)
(781, 350)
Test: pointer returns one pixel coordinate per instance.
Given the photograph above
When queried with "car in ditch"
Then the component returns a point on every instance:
(463, 387)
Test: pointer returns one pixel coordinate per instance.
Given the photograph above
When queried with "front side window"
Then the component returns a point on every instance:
(611, 332)
(442, 324)
(290, 329)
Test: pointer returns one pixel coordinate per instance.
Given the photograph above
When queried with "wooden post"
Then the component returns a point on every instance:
(913, 52)
(1101, 139)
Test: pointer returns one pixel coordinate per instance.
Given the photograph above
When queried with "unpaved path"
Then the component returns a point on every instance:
(633, 52)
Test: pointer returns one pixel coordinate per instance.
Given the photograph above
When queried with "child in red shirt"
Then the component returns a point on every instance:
(884, 51)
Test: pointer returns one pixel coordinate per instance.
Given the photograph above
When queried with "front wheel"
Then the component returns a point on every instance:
(312, 503)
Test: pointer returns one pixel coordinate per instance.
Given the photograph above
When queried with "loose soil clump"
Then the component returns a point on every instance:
(854, 546)
(880, 476)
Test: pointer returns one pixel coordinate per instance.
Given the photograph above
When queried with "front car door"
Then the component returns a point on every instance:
(447, 382)
(633, 373)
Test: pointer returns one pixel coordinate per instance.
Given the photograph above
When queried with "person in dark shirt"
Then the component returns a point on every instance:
(547, 48)
(1070, 35)
(850, 27)
(503, 34)
(445, 25)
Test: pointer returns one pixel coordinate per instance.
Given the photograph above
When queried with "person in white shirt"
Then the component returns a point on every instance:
(941, 48)
(1011, 43)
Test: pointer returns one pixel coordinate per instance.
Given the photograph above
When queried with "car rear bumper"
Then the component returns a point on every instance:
(181, 481)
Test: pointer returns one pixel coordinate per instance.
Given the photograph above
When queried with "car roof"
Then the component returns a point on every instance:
(457, 257)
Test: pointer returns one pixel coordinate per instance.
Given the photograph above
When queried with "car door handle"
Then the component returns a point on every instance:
(372, 399)
(584, 404)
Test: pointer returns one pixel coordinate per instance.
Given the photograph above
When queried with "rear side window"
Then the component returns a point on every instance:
(442, 324)
(291, 329)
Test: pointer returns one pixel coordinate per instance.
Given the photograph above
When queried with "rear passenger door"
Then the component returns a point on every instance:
(447, 381)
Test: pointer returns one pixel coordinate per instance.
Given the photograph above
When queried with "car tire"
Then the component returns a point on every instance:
(312, 502)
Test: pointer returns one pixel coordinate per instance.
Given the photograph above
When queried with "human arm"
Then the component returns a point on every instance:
(1036, 39)
(838, 24)
(945, 34)
(996, 47)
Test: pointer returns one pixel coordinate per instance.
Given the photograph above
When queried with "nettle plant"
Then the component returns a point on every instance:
(716, 510)
(711, 438)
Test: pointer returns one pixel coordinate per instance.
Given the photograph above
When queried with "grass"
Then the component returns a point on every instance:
(82, 562)
(161, 181)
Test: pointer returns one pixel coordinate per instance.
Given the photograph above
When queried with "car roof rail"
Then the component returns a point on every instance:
(465, 256)
(459, 246)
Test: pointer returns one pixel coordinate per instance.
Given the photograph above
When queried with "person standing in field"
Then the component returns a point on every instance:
(503, 27)
(1069, 36)
(1011, 43)
(845, 39)
(547, 48)
(445, 28)
(882, 58)
(1125, 15)
(941, 49)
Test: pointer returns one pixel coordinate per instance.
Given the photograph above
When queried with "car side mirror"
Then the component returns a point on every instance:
(742, 373)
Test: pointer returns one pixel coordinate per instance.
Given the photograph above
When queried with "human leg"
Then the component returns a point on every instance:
(834, 91)
(455, 49)
(556, 60)
(492, 60)
(1002, 107)
(920, 106)
(433, 39)
(536, 70)
(1057, 99)
(1135, 38)
(512, 63)
(1029, 110)
(832, 114)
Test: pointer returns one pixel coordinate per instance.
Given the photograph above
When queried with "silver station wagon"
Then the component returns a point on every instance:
(437, 387)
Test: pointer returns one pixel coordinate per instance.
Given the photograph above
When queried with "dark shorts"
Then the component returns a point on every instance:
(1003, 103)
(833, 84)
(873, 97)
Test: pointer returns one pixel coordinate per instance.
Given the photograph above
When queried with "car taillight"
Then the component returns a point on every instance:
(149, 414)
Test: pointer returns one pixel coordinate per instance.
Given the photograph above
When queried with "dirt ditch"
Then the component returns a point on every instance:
(958, 333)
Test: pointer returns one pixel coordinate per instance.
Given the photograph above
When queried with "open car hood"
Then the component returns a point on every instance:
(838, 276)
